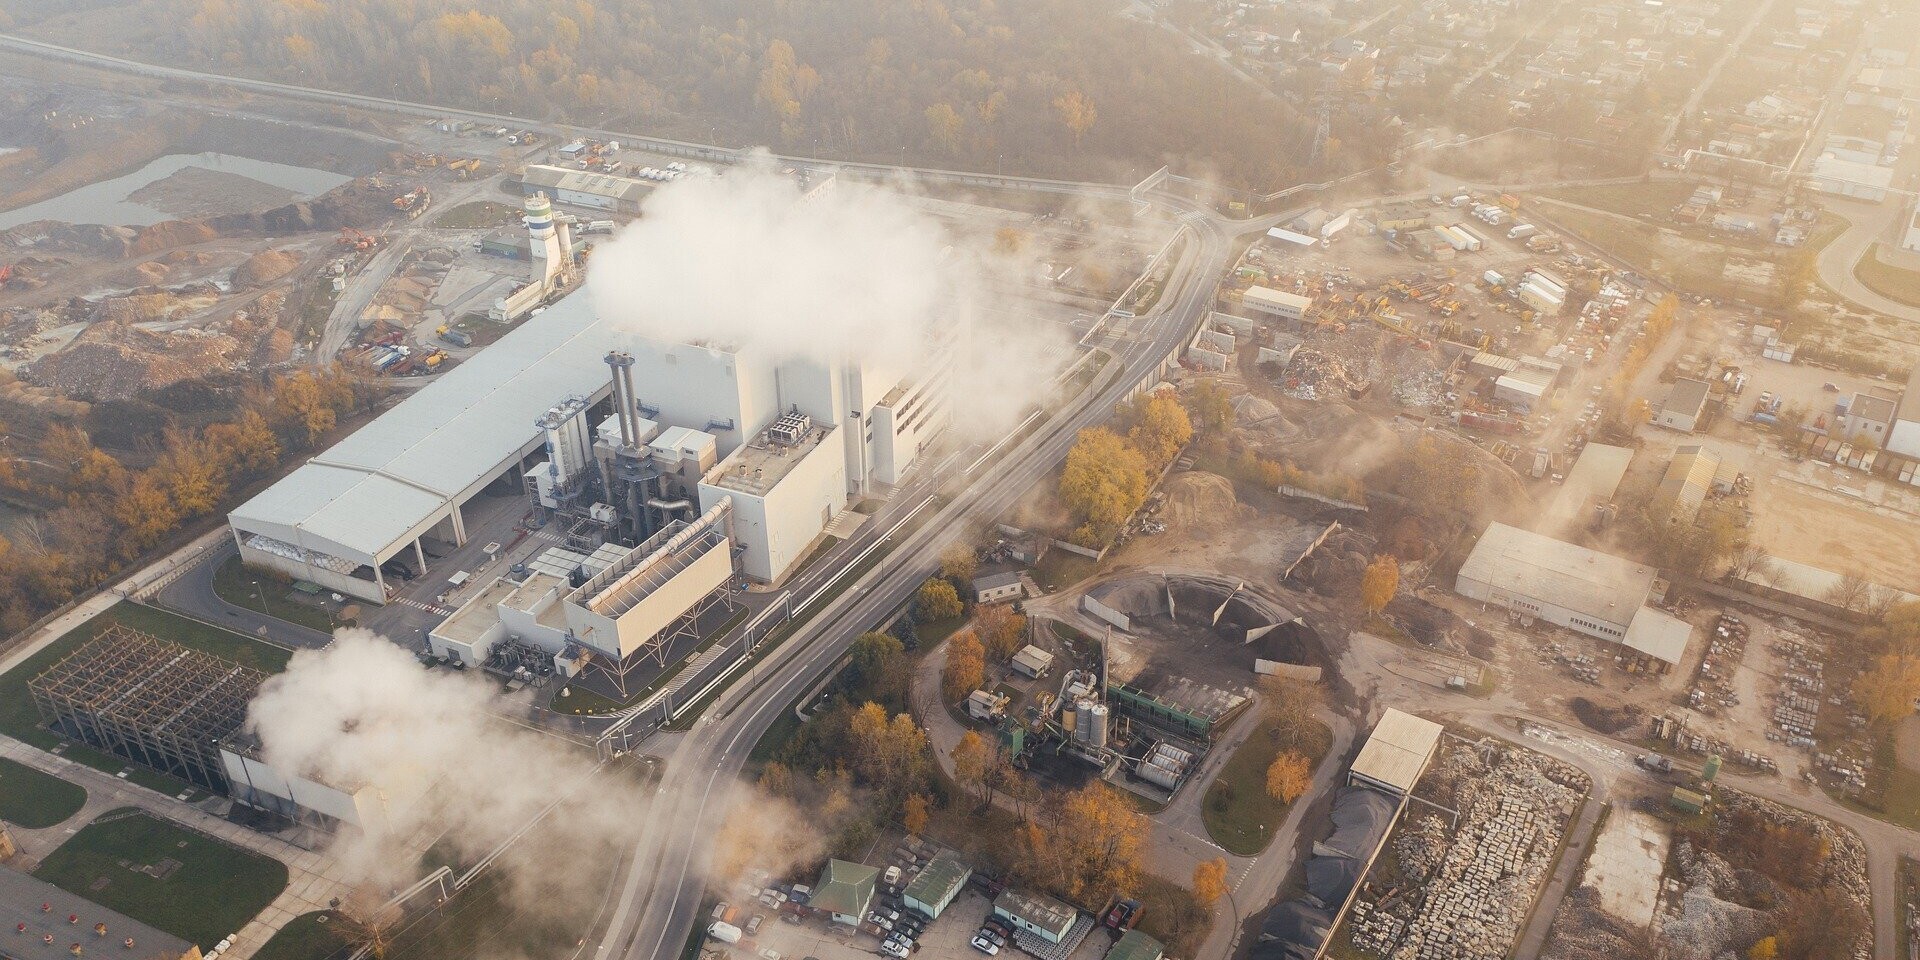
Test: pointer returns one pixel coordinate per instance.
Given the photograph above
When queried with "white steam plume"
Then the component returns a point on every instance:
(857, 271)
(364, 712)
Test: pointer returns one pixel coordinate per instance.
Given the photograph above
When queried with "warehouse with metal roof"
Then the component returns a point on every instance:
(1538, 577)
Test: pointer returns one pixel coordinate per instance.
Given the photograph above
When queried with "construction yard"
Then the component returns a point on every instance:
(1462, 887)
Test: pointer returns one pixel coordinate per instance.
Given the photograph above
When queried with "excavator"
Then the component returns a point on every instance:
(355, 240)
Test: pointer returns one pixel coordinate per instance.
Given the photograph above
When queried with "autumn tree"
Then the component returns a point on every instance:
(878, 662)
(1886, 691)
(1380, 582)
(1161, 427)
(1766, 948)
(1099, 842)
(1212, 409)
(958, 563)
(965, 668)
(970, 760)
(1289, 776)
(1001, 630)
(1104, 481)
(914, 811)
(944, 124)
(776, 779)
(1210, 881)
(1077, 113)
(937, 600)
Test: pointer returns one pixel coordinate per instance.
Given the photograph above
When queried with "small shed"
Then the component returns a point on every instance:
(1036, 913)
(1396, 753)
(996, 587)
(1134, 945)
(844, 891)
(941, 880)
(1032, 661)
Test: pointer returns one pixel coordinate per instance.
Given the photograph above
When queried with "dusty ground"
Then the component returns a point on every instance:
(1825, 530)
(195, 192)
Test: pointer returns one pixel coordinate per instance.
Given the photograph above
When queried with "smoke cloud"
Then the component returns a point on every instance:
(748, 258)
(445, 770)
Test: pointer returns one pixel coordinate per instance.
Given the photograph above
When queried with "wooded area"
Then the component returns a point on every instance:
(1043, 87)
(109, 514)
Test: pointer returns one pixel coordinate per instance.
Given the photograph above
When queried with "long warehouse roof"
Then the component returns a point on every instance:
(372, 489)
(1540, 568)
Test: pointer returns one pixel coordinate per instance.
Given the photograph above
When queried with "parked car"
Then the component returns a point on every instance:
(985, 946)
(753, 923)
(720, 910)
(769, 953)
(894, 950)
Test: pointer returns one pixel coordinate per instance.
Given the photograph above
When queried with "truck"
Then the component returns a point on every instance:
(1474, 240)
(1541, 459)
(459, 338)
(1521, 231)
(1656, 762)
(724, 932)
(598, 226)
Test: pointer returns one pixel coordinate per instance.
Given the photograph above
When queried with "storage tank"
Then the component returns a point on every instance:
(1093, 726)
(1155, 774)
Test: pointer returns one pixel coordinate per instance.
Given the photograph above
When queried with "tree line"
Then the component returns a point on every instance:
(105, 514)
(1042, 87)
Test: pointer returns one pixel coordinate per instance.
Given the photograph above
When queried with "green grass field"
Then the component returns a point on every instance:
(1239, 813)
(19, 719)
(204, 889)
(312, 936)
(36, 800)
(478, 213)
(1655, 198)
(269, 592)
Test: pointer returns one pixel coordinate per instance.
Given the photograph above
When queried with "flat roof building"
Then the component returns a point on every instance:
(1603, 596)
(1277, 303)
(1594, 478)
(581, 188)
(937, 883)
(1036, 913)
(1396, 753)
(1684, 406)
(33, 910)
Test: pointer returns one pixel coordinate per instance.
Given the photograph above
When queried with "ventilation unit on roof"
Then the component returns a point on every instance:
(790, 429)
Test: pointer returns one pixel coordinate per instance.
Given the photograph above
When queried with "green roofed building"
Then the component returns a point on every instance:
(1136, 946)
(937, 884)
(845, 889)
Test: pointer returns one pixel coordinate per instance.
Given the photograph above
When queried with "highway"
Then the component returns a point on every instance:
(666, 875)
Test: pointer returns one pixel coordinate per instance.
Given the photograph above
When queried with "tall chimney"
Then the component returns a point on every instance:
(620, 365)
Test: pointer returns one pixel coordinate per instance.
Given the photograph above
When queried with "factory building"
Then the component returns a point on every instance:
(578, 188)
(691, 424)
(1685, 406)
(550, 248)
(259, 784)
(1536, 577)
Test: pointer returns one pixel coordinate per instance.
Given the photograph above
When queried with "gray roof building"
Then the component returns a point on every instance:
(42, 910)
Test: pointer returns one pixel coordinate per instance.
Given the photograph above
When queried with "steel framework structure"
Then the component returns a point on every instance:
(149, 701)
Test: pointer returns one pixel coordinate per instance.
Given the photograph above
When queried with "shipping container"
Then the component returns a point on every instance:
(1521, 231)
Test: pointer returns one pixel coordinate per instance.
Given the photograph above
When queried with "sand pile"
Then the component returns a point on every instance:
(1197, 497)
(264, 268)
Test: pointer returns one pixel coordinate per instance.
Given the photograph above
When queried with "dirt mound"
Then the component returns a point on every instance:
(1251, 409)
(1197, 497)
(168, 234)
(116, 362)
(1603, 718)
(54, 236)
(264, 268)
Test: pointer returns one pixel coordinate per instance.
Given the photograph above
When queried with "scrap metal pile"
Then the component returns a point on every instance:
(1470, 892)
(1796, 709)
(1713, 685)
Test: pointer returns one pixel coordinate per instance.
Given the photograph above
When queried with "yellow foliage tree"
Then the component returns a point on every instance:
(966, 666)
(1289, 776)
(1161, 428)
(1077, 112)
(1210, 881)
(970, 760)
(1766, 948)
(1885, 692)
(958, 563)
(913, 813)
(937, 600)
(1379, 583)
(1104, 481)
(1000, 629)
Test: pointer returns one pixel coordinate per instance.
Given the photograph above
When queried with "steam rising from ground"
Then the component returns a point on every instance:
(857, 271)
(364, 712)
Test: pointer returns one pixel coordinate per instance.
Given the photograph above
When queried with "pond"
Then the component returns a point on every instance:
(107, 202)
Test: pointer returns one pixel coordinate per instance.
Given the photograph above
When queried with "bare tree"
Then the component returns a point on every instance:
(1850, 591)
(1750, 561)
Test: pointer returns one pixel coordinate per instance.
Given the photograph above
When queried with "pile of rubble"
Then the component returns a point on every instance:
(1314, 374)
(1705, 918)
(111, 361)
(1471, 892)
(1796, 709)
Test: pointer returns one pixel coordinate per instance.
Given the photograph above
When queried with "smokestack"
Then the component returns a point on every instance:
(620, 366)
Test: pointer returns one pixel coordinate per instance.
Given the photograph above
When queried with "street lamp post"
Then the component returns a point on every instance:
(262, 595)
